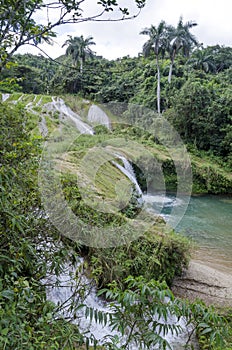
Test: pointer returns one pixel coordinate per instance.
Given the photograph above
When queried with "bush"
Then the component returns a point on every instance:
(159, 254)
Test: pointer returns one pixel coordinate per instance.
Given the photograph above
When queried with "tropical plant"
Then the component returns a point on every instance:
(146, 311)
(142, 313)
(180, 38)
(158, 41)
(28, 243)
(78, 48)
(202, 60)
(18, 26)
(202, 114)
(219, 56)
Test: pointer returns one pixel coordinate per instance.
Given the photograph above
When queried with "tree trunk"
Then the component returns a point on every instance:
(81, 66)
(75, 86)
(158, 84)
(81, 71)
(170, 73)
(171, 67)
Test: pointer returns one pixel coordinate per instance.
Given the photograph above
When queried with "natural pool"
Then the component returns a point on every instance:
(207, 221)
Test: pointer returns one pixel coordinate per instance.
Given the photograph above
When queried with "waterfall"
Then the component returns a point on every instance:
(85, 293)
(60, 106)
(43, 127)
(5, 97)
(128, 170)
(73, 284)
(69, 285)
(97, 116)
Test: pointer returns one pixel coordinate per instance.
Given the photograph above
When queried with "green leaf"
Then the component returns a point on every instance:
(4, 331)
(8, 294)
(206, 330)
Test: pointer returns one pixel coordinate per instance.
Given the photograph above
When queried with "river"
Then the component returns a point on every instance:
(207, 221)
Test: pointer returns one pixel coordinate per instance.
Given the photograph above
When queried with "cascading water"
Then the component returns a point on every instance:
(76, 287)
(72, 286)
(62, 295)
(97, 116)
(81, 291)
(5, 97)
(59, 105)
(128, 170)
(59, 295)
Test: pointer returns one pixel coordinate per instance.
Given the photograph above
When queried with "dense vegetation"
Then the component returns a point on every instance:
(191, 87)
(197, 101)
(27, 318)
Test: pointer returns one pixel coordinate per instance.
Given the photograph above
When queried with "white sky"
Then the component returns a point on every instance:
(117, 39)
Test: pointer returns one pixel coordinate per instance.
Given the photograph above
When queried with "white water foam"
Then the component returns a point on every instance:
(5, 97)
(127, 170)
(59, 105)
(97, 116)
(70, 285)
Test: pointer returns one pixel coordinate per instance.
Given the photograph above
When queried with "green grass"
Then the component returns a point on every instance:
(27, 99)
(78, 105)
(46, 99)
(209, 176)
(14, 97)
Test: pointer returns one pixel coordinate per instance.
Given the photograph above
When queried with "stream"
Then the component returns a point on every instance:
(207, 222)
(84, 292)
(71, 287)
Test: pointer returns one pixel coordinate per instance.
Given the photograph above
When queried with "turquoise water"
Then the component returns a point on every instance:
(207, 221)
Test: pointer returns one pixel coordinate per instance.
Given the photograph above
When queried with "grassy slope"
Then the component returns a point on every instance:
(208, 175)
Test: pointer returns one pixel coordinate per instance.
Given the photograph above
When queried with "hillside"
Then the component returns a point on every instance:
(48, 115)
(115, 181)
(80, 170)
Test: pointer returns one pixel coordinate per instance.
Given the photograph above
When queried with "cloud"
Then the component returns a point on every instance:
(117, 39)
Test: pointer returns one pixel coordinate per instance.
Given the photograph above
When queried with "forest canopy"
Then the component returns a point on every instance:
(197, 100)
(18, 24)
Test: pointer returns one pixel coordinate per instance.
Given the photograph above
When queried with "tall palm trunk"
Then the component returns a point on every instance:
(81, 72)
(170, 71)
(158, 84)
(171, 67)
(81, 65)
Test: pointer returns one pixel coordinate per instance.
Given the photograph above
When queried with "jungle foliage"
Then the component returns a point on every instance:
(26, 316)
(18, 26)
(32, 249)
(196, 99)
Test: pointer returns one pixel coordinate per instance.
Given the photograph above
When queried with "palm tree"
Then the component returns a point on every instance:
(180, 39)
(202, 60)
(158, 42)
(78, 48)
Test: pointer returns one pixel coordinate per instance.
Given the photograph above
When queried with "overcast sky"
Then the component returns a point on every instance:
(118, 39)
